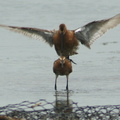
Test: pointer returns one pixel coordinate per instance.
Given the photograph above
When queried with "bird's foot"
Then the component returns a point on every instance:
(72, 61)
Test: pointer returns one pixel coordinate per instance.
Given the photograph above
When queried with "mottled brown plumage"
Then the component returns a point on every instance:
(66, 41)
(62, 66)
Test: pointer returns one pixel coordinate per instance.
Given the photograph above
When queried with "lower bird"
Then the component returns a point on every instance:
(62, 66)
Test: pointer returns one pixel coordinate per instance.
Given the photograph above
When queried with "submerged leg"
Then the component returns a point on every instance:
(56, 82)
(67, 82)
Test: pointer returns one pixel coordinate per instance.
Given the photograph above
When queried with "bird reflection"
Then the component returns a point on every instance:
(63, 105)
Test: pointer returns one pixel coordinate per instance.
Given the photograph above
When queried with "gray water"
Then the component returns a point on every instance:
(26, 64)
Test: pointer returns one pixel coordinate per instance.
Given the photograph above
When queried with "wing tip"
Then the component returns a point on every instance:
(88, 45)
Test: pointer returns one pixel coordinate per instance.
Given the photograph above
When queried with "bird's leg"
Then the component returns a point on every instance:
(70, 60)
(56, 82)
(67, 82)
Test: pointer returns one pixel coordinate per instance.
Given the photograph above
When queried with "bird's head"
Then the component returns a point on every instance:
(62, 60)
(62, 28)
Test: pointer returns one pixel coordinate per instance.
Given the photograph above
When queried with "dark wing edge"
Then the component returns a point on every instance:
(93, 30)
(34, 33)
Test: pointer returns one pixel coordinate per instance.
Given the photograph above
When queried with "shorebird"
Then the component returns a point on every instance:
(62, 66)
(66, 41)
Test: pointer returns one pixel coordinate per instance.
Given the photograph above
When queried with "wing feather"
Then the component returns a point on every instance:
(93, 30)
(35, 33)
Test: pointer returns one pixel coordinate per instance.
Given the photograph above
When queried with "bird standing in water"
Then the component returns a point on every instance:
(62, 66)
(66, 41)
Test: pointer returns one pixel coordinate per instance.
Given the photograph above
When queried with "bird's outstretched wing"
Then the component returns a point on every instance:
(93, 30)
(35, 33)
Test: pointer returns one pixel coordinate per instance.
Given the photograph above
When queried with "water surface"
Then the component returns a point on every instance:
(26, 64)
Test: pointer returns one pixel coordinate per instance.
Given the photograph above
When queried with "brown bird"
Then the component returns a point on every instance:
(66, 41)
(62, 66)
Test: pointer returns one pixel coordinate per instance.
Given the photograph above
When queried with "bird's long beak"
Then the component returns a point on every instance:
(62, 63)
(62, 40)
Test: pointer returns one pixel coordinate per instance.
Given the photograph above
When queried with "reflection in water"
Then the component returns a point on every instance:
(62, 109)
(63, 105)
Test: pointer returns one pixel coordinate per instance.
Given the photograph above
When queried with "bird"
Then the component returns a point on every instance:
(62, 66)
(66, 42)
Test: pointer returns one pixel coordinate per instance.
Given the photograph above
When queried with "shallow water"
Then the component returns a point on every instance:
(26, 64)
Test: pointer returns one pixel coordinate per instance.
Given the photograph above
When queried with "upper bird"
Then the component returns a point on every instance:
(66, 41)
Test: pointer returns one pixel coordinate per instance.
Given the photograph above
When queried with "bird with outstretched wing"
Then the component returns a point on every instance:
(66, 41)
